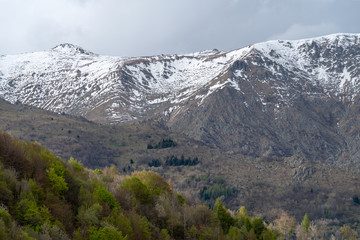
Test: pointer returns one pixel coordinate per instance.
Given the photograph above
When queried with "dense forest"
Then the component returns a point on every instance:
(45, 197)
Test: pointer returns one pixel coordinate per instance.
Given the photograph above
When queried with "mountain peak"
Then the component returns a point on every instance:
(71, 49)
(345, 39)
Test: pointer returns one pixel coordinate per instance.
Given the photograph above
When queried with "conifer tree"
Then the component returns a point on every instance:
(305, 223)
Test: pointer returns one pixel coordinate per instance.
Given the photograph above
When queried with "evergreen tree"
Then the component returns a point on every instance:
(305, 223)
(223, 216)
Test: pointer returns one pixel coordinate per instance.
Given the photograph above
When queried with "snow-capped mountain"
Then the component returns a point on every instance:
(107, 89)
(214, 96)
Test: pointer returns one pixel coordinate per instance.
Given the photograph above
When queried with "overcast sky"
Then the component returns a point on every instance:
(151, 27)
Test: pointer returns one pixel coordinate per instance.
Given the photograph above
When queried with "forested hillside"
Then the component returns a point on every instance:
(43, 197)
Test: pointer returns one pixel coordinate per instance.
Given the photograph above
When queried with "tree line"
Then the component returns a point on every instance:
(164, 143)
(174, 161)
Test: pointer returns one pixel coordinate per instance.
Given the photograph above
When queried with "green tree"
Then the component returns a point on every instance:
(2, 230)
(251, 235)
(28, 213)
(6, 195)
(234, 233)
(165, 235)
(305, 224)
(223, 216)
(243, 218)
(106, 233)
(75, 165)
(105, 196)
(58, 182)
(268, 235)
(154, 182)
(91, 215)
(137, 188)
(140, 226)
(347, 233)
(258, 226)
(5, 217)
(242, 212)
(118, 220)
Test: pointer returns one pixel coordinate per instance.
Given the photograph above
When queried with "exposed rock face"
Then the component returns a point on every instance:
(293, 99)
(278, 98)
(309, 127)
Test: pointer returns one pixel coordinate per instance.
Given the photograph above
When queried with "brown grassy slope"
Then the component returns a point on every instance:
(264, 184)
(94, 144)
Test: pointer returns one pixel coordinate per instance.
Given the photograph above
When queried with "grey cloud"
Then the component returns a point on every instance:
(142, 27)
(298, 31)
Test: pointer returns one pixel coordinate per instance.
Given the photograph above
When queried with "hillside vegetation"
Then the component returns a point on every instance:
(199, 171)
(43, 197)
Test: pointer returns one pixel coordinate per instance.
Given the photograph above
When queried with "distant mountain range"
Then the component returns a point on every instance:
(277, 98)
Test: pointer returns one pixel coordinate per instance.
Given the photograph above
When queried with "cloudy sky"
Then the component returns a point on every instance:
(150, 27)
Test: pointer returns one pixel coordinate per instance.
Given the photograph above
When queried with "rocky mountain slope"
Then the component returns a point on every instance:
(278, 98)
(264, 185)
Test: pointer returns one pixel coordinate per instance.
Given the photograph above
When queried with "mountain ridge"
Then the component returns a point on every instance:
(262, 87)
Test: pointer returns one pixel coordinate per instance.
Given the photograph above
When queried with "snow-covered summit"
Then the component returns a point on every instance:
(330, 61)
(68, 48)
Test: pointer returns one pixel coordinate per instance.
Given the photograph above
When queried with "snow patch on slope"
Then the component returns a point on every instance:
(70, 79)
(315, 58)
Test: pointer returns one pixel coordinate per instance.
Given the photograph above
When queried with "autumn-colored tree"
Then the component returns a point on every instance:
(285, 224)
